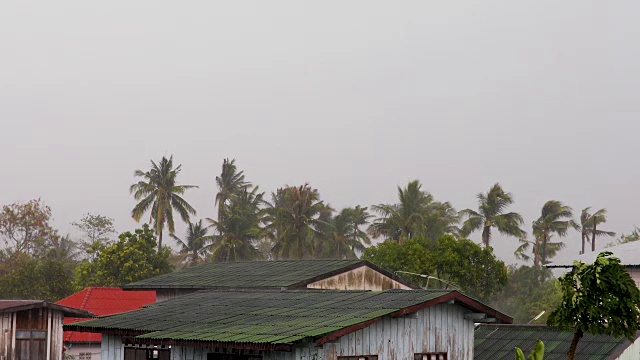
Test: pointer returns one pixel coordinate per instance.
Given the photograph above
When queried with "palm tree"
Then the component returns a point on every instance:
(240, 228)
(342, 238)
(295, 218)
(589, 225)
(193, 248)
(491, 214)
(416, 214)
(159, 193)
(230, 182)
(555, 218)
(551, 248)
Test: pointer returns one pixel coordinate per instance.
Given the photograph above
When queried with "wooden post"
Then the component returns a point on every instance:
(49, 334)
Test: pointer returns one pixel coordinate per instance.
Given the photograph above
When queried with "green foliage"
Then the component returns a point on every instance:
(133, 257)
(589, 227)
(295, 219)
(193, 249)
(555, 219)
(491, 214)
(159, 194)
(529, 291)
(598, 298)
(341, 237)
(461, 262)
(48, 277)
(624, 238)
(536, 354)
(416, 214)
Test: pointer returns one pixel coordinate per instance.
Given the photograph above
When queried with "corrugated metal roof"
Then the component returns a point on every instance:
(273, 317)
(262, 274)
(496, 342)
(102, 301)
(19, 305)
(629, 255)
(255, 274)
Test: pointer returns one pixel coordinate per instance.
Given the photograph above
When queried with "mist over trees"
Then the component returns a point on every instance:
(422, 238)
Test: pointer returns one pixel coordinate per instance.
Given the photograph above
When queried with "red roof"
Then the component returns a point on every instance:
(102, 301)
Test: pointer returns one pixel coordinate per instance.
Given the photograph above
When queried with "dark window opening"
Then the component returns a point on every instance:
(137, 353)
(359, 357)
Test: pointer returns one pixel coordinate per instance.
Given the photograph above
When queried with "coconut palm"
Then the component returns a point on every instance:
(342, 238)
(159, 194)
(589, 224)
(194, 246)
(295, 218)
(240, 228)
(416, 214)
(492, 214)
(555, 218)
(551, 248)
(230, 182)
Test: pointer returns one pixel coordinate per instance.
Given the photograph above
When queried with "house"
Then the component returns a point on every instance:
(32, 329)
(497, 342)
(100, 301)
(629, 255)
(296, 324)
(273, 275)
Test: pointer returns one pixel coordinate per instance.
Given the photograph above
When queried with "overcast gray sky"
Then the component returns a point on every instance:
(354, 97)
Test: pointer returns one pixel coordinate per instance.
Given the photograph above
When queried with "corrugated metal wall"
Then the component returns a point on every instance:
(441, 328)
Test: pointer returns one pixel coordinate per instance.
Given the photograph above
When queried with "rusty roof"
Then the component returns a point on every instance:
(19, 305)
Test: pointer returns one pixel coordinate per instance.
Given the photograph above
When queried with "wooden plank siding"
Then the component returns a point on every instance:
(41, 319)
(440, 328)
(362, 278)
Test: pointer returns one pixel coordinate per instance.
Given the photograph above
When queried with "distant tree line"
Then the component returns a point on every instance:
(419, 237)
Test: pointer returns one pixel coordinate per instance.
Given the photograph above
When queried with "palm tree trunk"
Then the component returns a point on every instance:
(574, 344)
(583, 242)
(593, 237)
(160, 239)
(486, 235)
(544, 246)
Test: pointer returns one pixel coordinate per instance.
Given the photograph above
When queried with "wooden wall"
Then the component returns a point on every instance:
(362, 278)
(441, 328)
(35, 319)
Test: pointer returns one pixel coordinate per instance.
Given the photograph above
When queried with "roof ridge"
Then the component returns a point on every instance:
(86, 298)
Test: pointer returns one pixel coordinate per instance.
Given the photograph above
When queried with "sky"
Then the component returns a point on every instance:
(354, 98)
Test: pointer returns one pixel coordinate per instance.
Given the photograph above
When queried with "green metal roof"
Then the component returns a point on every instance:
(254, 274)
(267, 316)
(497, 342)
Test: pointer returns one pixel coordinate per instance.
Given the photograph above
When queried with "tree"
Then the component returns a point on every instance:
(491, 214)
(294, 218)
(240, 228)
(452, 262)
(159, 194)
(530, 290)
(133, 257)
(230, 183)
(341, 236)
(598, 298)
(25, 226)
(416, 214)
(194, 248)
(623, 239)
(555, 218)
(48, 276)
(95, 228)
(589, 225)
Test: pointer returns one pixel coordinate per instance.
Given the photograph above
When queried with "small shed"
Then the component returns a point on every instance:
(273, 275)
(250, 324)
(32, 329)
(100, 301)
(498, 342)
